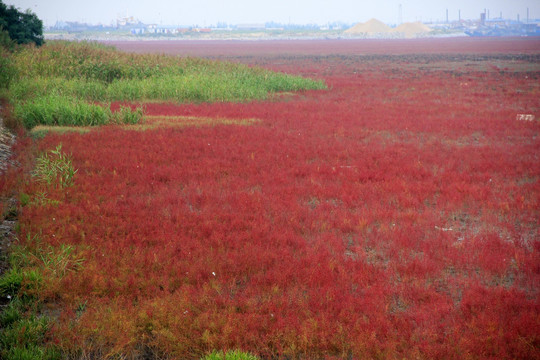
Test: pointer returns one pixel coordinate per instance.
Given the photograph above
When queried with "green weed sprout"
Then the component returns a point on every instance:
(55, 167)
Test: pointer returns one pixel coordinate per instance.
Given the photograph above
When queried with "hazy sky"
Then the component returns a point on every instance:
(208, 12)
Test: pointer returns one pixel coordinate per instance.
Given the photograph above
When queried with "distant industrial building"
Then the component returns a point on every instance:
(251, 27)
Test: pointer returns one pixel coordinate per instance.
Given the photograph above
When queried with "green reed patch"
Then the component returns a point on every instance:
(60, 110)
(58, 84)
(127, 116)
(55, 168)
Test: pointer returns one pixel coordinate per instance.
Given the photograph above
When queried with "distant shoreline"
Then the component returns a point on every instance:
(254, 36)
(327, 47)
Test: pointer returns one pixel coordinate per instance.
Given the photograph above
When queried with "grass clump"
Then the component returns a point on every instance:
(24, 327)
(22, 335)
(60, 110)
(128, 116)
(231, 355)
(72, 83)
(55, 167)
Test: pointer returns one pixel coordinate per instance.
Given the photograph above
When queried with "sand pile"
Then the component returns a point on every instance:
(376, 28)
(410, 30)
(370, 27)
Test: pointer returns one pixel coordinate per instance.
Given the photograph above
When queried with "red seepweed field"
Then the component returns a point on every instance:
(394, 215)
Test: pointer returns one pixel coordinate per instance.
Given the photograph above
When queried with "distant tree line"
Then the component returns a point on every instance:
(19, 27)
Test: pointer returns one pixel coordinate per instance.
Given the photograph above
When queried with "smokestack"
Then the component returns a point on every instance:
(527, 15)
(446, 15)
(518, 17)
(459, 15)
(488, 14)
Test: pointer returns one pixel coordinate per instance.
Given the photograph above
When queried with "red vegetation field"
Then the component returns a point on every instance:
(394, 215)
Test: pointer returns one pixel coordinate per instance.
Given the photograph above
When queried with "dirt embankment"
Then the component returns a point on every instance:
(7, 205)
(6, 141)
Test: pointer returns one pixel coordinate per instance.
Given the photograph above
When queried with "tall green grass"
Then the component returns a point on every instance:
(55, 167)
(60, 110)
(66, 83)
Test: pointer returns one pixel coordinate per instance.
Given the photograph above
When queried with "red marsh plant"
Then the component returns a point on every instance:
(395, 215)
